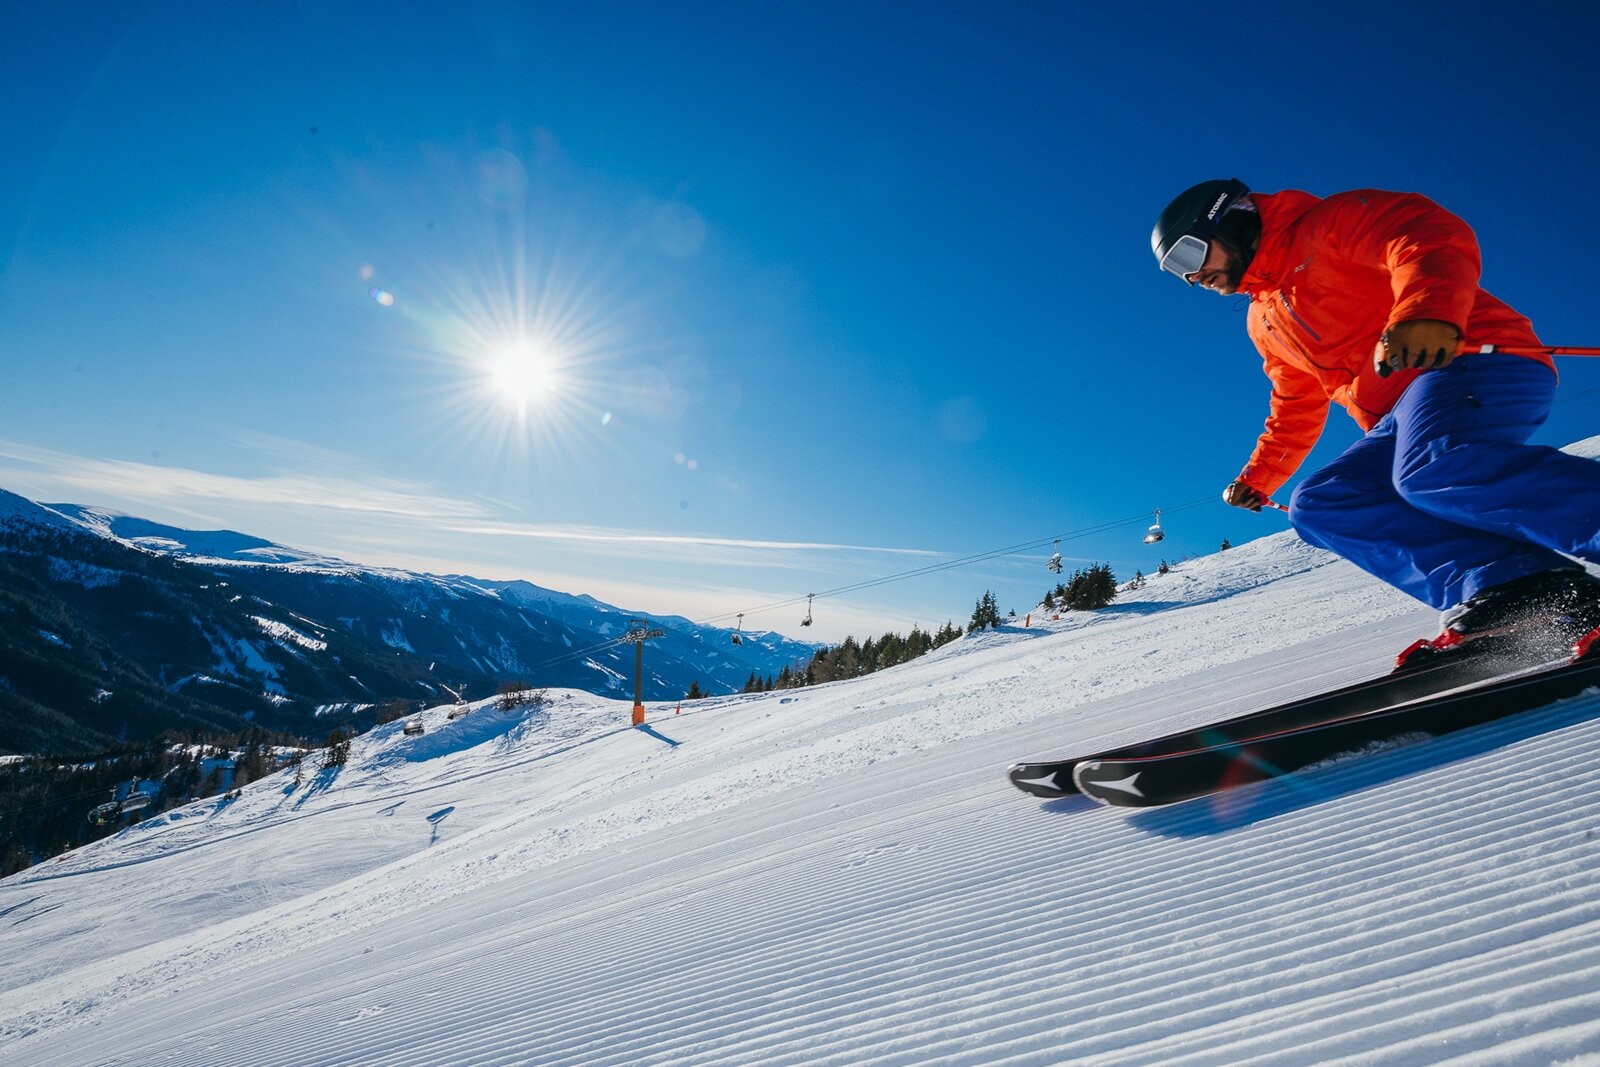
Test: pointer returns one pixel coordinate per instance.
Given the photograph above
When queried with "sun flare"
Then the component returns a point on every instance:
(532, 335)
(523, 373)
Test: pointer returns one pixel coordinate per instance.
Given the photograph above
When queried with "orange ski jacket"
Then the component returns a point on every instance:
(1328, 277)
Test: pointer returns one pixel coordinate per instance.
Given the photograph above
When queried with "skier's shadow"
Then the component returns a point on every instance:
(1247, 805)
(1068, 805)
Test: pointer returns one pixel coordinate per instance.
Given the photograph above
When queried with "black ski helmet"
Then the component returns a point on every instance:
(1182, 235)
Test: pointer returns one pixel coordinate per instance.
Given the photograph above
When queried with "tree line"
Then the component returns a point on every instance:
(854, 659)
(45, 800)
(1087, 589)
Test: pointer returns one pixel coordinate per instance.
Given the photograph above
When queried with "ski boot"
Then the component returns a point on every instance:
(1534, 619)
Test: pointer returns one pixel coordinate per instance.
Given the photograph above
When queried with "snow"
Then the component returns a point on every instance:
(204, 679)
(842, 874)
(281, 633)
(395, 636)
(340, 709)
(17, 510)
(199, 546)
(246, 653)
(85, 574)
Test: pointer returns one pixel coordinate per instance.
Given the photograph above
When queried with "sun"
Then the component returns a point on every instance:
(523, 374)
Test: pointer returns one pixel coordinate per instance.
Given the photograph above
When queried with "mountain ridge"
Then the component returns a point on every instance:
(107, 619)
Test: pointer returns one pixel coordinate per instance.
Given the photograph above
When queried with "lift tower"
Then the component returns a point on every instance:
(637, 636)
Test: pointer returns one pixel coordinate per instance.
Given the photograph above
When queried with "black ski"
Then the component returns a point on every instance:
(1168, 777)
(1425, 676)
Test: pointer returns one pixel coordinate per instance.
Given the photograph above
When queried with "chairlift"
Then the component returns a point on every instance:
(460, 709)
(413, 728)
(105, 813)
(807, 620)
(1054, 566)
(1155, 533)
(736, 630)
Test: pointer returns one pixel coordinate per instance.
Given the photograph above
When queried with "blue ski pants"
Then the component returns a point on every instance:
(1444, 497)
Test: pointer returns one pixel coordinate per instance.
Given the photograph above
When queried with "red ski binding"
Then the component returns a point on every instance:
(1420, 650)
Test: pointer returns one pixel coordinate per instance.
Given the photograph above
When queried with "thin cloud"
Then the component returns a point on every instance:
(182, 487)
(185, 488)
(593, 535)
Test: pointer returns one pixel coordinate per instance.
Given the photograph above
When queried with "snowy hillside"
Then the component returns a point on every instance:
(842, 875)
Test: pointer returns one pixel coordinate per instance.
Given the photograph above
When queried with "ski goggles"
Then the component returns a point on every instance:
(1186, 256)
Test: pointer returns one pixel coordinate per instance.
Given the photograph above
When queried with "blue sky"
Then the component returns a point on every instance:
(827, 292)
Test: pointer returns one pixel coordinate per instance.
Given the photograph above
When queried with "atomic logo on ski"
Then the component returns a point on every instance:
(1127, 785)
(1048, 781)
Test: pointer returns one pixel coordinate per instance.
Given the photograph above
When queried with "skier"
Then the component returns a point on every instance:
(1364, 299)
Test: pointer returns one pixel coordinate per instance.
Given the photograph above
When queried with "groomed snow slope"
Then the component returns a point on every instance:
(842, 875)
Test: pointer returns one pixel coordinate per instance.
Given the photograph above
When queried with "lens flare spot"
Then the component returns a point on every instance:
(382, 296)
(499, 179)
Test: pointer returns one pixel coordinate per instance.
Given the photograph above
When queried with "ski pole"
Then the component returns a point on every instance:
(1275, 506)
(1384, 370)
(1548, 350)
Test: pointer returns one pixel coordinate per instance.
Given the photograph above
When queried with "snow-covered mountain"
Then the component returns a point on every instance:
(842, 875)
(113, 626)
(198, 545)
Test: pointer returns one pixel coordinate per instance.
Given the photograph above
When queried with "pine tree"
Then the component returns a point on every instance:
(985, 614)
(694, 692)
(1226, 544)
(338, 749)
(1092, 588)
(847, 658)
(512, 695)
(16, 858)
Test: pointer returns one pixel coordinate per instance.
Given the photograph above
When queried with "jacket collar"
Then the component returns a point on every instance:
(1279, 213)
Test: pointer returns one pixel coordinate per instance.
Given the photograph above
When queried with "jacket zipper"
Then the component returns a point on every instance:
(1268, 316)
(1268, 319)
(1315, 336)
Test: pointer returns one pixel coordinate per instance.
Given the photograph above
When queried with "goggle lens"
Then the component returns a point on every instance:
(1186, 256)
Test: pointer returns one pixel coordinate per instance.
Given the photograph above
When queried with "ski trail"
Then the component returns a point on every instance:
(843, 876)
